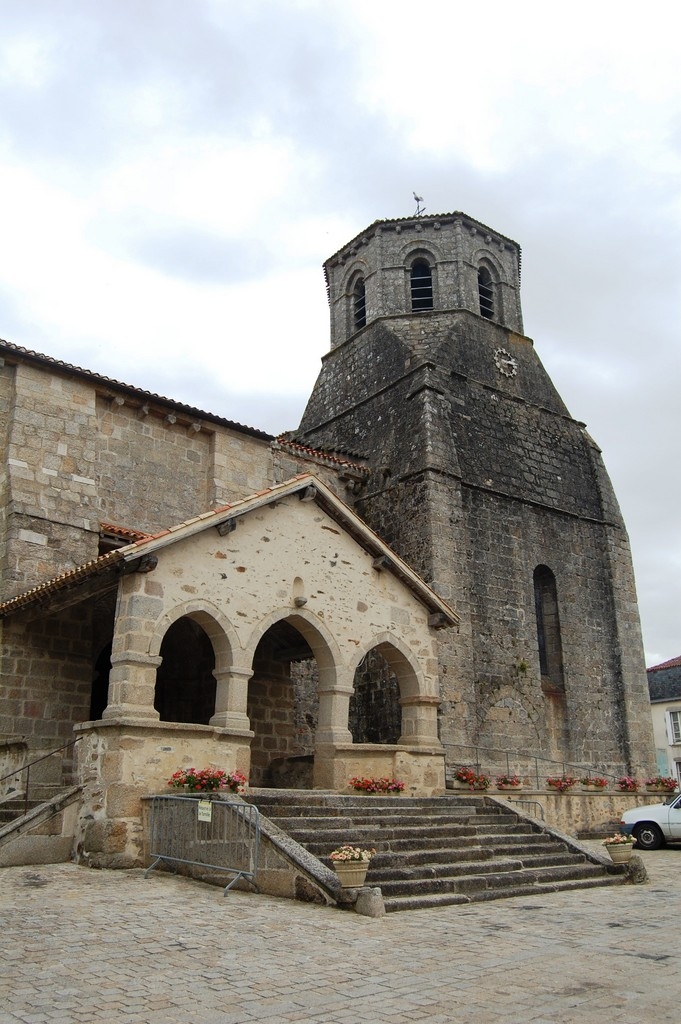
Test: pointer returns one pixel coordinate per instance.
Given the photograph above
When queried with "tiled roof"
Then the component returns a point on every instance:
(128, 557)
(124, 532)
(318, 455)
(18, 352)
(672, 663)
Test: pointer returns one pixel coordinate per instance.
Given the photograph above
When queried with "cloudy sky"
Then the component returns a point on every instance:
(174, 173)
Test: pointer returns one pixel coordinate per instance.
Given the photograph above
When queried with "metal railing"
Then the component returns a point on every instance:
(531, 807)
(219, 835)
(494, 761)
(26, 769)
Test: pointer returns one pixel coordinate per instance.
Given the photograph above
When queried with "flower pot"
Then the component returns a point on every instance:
(351, 873)
(620, 853)
(509, 788)
(657, 789)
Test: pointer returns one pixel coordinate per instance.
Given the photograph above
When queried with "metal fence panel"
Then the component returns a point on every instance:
(220, 835)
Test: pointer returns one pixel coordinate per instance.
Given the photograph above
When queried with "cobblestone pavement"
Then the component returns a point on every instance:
(111, 946)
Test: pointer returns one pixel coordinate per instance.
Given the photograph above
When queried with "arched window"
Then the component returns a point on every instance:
(421, 279)
(359, 304)
(548, 627)
(486, 293)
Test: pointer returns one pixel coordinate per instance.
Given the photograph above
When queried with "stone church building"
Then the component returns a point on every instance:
(432, 565)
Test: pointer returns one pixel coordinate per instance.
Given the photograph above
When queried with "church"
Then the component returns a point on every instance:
(431, 570)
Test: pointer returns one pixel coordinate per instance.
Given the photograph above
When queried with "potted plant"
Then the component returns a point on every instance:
(508, 782)
(481, 782)
(351, 864)
(625, 784)
(561, 783)
(383, 785)
(593, 783)
(207, 780)
(620, 847)
(661, 784)
(464, 777)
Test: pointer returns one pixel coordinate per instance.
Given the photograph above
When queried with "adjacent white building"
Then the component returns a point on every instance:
(664, 686)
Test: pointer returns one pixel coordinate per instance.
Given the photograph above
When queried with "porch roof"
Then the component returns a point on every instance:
(102, 573)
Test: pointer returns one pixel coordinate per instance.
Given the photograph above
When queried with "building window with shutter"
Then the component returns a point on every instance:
(674, 726)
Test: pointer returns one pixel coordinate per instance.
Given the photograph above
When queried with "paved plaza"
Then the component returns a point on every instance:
(80, 945)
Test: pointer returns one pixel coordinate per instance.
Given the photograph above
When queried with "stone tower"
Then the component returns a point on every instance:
(483, 481)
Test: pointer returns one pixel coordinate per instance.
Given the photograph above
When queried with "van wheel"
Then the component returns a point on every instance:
(648, 837)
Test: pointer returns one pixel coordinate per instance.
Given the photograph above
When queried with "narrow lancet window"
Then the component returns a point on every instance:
(548, 627)
(486, 293)
(421, 286)
(359, 304)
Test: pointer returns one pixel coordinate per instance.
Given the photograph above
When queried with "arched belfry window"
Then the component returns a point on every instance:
(421, 279)
(486, 293)
(548, 627)
(359, 304)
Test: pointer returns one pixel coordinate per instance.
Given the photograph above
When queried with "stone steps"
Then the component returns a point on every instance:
(10, 810)
(437, 851)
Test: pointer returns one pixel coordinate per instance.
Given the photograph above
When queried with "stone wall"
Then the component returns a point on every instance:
(45, 676)
(478, 478)
(80, 452)
(119, 765)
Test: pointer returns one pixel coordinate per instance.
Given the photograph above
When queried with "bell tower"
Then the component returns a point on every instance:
(420, 265)
(483, 481)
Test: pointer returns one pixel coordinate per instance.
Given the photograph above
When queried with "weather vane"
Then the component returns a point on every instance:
(419, 209)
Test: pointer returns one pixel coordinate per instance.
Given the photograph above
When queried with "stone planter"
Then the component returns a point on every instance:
(659, 790)
(509, 789)
(458, 784)
(351, 873)
(592, 789)
(620, 853)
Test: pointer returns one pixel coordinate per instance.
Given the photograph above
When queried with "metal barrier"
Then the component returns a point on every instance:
(220, 835)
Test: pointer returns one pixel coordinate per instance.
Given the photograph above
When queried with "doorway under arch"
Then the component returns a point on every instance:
(185, 683)
(375, 711)
(283, 708)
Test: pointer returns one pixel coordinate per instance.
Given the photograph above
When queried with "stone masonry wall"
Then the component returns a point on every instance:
(477, 479)
(77, 456)
(45, 676)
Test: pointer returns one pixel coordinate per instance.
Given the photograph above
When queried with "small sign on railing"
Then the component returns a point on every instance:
(205, 811)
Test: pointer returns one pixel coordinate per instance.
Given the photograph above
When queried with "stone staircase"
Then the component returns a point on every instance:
(16, 807)
(439, 850)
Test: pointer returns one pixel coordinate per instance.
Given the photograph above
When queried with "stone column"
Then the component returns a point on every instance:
(131, 687)
(231, 699)
(335, 690)
(132, 681)
(419, 720)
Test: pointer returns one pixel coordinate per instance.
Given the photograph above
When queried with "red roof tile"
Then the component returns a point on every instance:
(672, 663)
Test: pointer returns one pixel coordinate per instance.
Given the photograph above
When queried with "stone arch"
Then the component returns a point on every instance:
(392, 701)
(354, 297)
(208, 641)
(185, 684)
(420, 247)
(401, 659)
(485, 257)
(316, 633)
(296, 690)
(212, 620)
